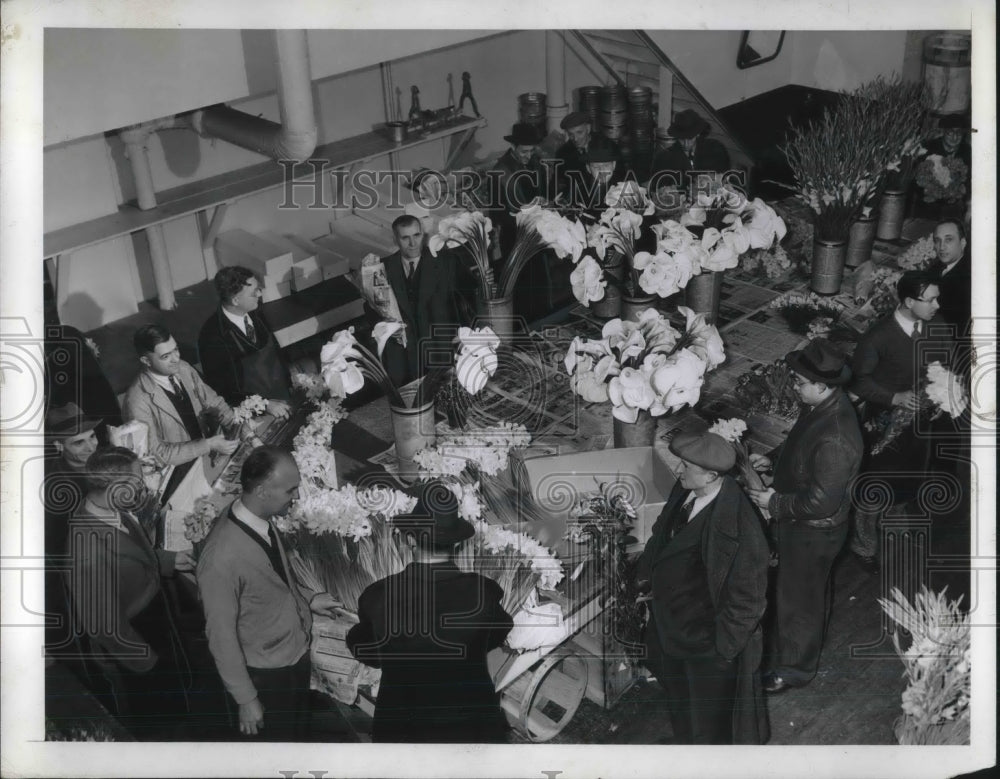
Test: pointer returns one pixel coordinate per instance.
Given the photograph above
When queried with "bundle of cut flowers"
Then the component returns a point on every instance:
(605, 519)
(733, 431)
(252, 406)
(645, 365)
(313, 446)
(345, 363)
(483, 451)
(938, 667)
(876, 288)
(942, 178)
(516, 561)
(342, 540)
(537, 229)
(772, 263)
(942, 392)
(918, 255)
(767, 389)
(800, 308)
(199, 522)
(730, 225)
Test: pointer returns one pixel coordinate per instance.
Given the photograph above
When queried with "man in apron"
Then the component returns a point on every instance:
(239, 354)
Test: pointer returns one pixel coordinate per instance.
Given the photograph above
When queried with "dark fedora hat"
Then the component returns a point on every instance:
(687, 124)
(708, 450)
(820, 361)
(954, 122)
(524, 134)
(69, 420)
(436, 513)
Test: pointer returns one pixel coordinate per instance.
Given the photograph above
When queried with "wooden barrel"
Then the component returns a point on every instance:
(542, 701)
(947, 59)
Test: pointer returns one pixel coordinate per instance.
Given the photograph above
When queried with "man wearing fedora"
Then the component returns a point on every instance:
(690, 154)
(705, 565)
(809, 502)
(429, 628)
(515, 181)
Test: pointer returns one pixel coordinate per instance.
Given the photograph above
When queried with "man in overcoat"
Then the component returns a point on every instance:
(692, 153)
(115, 586)
(809, 503)
(706, 567)
(429, 628)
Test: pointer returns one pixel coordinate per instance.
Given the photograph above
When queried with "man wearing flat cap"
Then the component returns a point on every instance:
(809, 502)
(574, 181)
(429, 628)
(690, 154)
(706, 567)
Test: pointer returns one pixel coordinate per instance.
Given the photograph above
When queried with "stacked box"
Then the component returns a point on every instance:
(306, 271)
(272, 262)
(332, 264)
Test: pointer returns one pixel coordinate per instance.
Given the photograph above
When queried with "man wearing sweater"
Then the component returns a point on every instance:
(890, 364)
(257, 617)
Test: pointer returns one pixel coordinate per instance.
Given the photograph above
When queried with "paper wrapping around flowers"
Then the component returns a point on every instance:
(334, 669)
(537, 626)
(133, 435)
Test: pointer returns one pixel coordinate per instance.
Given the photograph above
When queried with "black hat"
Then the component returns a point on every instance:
(574, 119)
(436, 512)
(69, 420)
(820, 361)
(524, 134)
(687, 124)
(954, 122)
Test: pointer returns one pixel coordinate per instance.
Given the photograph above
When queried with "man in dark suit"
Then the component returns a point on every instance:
(514, 181)
(239, 354)
(954, 269)
(706, 566)
(429, 628)
(690, 154)
(117, 596)
(574, 179)
(424, 287)
(890, 364)
(809, 502)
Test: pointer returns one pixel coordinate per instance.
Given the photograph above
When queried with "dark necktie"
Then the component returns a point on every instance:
(274, 553)
(178, 388)
(410, 269)
(915, 335)
(681, 518)
(251, 332)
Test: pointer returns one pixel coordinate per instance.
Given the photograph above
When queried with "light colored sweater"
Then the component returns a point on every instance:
(252, 618)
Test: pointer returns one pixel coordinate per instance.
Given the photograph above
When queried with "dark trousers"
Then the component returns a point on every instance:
(805, 558)
(284, 694)
(701, 693)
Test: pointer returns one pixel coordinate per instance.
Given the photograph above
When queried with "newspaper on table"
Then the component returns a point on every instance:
(373, 284)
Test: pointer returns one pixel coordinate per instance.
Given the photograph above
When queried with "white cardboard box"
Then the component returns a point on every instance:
(274, 289)
(559, 482)
(263, 257)
(331, 263)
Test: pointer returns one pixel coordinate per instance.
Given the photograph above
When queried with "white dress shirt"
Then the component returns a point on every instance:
(701, 501)
(251, 520)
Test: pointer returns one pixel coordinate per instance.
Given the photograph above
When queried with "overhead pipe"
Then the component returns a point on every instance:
(135, 138)
(557, 106)
(295, 137)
